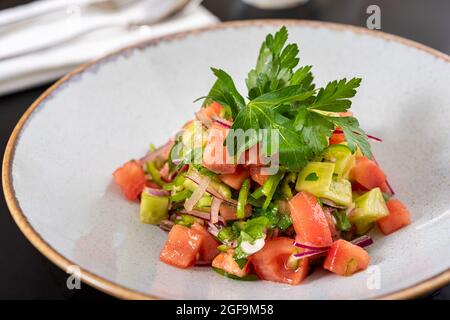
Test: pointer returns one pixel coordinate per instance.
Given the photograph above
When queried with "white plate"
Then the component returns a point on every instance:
(58, 164)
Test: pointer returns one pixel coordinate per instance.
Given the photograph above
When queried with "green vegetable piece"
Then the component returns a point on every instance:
(250, 277)
(270, 186)
(258, 193)
(340, 192)
(222, 189)
(323, 170)
(205, 201)
(368, 208)
(154, 173)
(342, 221)
(181, 196)
(223, 248)
(242, 200)
(342, 157)
(227, 234)
(153, 209)
(185, 220)
(190, 185)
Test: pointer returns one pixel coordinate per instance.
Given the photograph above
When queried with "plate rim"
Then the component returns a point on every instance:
(122, 292)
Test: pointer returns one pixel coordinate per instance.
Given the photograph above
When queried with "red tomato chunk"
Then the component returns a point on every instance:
(309, 221)
(131, 179)
(344, 258)
(271, 262)
(182, 247)
(398, 217)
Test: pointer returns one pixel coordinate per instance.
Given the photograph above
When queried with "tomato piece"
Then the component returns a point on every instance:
(208, 249)
(344, 258)
(225, 262)
(333, 230)
(367, 173)
(257, 176)
(215, 155)
(235, 180)
(213, 109)
(398, 217)
(336, 138)
(271, 262)
(309, 220)
(131, 179)
(182, 247)
(228, 212)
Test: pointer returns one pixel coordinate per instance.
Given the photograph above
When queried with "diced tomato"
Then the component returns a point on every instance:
(208, 249)
(309, 220)
(182, 247)
(271, 262)
(331, 224)
(215, 155)
(228, 212)
(235, 180)
(398, 217)
(226, 262)
(337, 137)
(213, 109)
(345, 258)
(367, 173)
(131, 179)
(257, 176)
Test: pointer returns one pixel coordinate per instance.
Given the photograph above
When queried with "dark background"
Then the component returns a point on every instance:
(26, 274)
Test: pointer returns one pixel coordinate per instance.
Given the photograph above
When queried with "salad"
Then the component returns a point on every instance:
(269, 186)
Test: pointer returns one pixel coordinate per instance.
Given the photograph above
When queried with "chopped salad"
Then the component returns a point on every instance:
(270, 186)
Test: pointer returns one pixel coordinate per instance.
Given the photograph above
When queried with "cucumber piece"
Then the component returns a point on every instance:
(315, 178)
(340, 192)
(205, 201)
(222, 189)
(194, 136)
(368, 208)
(342, 157)
(153, 209)
(189, 185)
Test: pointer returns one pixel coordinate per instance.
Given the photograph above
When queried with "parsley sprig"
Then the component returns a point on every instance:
(284, 99)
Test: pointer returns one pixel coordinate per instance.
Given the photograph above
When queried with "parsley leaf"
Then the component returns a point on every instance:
(342, 222)
(274, 65)
(354, 135)
(334, 97)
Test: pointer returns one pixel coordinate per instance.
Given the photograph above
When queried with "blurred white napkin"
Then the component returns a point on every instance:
(43, 66)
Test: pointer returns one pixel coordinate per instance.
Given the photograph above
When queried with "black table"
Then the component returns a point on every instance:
(26, 274)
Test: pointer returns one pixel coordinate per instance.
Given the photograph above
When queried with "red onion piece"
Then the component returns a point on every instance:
(198, 193)
(368, 135)
(215, 209)
(312, 248)
(156, 192)
(166, 225)
(363, 241)
(213, 229)
(196, 178)
(308, 253)
(224, 123)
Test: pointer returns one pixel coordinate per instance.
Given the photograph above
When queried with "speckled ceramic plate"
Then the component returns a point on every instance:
(59, 160)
